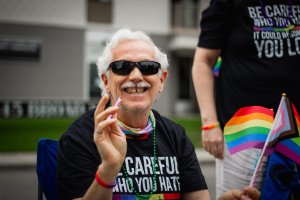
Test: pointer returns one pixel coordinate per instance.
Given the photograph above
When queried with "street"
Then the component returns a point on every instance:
(18, 183)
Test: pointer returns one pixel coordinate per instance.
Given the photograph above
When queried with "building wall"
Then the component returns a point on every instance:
(58, 74)
(60, 28)
(66, 13)
(151, 16)
(164, 103)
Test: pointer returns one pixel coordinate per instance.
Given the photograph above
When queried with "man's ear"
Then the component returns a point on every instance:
(105, 82)
(163, 79)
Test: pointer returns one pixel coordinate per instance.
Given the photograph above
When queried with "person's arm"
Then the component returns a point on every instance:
(112, 147)
(197, 195)
(202, 73)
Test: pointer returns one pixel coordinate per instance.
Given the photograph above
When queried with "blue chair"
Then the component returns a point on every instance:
(46, 168)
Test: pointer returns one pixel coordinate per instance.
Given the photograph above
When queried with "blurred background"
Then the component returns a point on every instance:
(48, 51)
(48, 75)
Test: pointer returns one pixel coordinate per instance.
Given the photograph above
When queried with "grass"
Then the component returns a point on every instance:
(192, 128)
(21, 135)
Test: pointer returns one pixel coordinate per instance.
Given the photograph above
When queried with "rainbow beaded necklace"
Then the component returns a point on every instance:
(146, 131)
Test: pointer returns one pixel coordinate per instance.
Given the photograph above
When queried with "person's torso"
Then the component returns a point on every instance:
(261, 57)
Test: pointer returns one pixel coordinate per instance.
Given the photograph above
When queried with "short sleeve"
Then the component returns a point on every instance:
(216, 23)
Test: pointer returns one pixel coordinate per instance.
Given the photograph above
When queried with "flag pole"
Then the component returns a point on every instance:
(258, 164)
(262, 153)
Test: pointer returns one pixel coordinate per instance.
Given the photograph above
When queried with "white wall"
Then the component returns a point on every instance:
(148, 15)
(67, 13)
(58, 74)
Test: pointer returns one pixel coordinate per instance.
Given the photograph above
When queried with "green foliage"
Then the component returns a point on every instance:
(22, 134)
(192, 127)
(18, 135)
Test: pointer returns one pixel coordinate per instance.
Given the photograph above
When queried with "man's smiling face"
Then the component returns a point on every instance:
(138, 91)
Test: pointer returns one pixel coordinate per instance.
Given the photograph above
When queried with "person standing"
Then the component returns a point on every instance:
(258, 41)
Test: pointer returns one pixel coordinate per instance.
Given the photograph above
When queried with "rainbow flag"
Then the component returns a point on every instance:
(297, 117)
(217, 67)
(248, 128)
(284, 124)
(291, 147)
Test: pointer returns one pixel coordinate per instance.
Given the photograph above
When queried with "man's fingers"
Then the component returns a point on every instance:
(104, 114)
(220, 150)
(252, 192)
(101, 126)
(101, 105)
(231, 195)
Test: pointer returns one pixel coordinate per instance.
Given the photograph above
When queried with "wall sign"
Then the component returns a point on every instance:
(17, 48)
(44, 108)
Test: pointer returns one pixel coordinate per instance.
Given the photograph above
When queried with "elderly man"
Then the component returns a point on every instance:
(128, 150)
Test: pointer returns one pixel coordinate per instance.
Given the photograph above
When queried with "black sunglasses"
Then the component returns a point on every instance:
(123, 67)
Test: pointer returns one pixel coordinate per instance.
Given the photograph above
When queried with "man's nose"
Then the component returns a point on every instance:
(135, 74)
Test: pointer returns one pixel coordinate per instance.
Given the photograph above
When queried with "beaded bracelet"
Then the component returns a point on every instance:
(210, 126)
(102, 183)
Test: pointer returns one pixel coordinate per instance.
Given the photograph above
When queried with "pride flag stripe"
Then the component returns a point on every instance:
(242, 119)
(251, 123)
(297, 117)
(247, 138)
(295, 144)
(290, 148)
(253, 109)
(152, 196)
(248, 131)
(247, 145)
(283, 123)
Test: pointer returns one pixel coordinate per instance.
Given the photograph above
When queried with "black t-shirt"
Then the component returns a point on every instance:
(260, 52)
(177, 168)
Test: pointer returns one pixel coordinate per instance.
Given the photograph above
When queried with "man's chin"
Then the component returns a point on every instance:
(138, 108)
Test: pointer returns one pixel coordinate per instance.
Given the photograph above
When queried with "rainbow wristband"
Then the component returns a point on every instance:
(102, 183)
(210, 126)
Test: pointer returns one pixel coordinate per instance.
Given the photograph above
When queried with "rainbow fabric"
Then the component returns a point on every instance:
(248, 128)
(276, 29)
(173, 196)
(217, 67)
(297, 118)
(284, 125)
(291, 147)
(137, 133)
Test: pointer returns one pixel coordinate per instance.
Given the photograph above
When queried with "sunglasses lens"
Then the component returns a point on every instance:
(124, 67)
(149, 67)
(121, 67)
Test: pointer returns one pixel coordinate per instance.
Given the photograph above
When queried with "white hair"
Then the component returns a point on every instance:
(124, 35)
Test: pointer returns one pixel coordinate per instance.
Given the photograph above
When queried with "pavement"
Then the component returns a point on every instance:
(28, 159)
